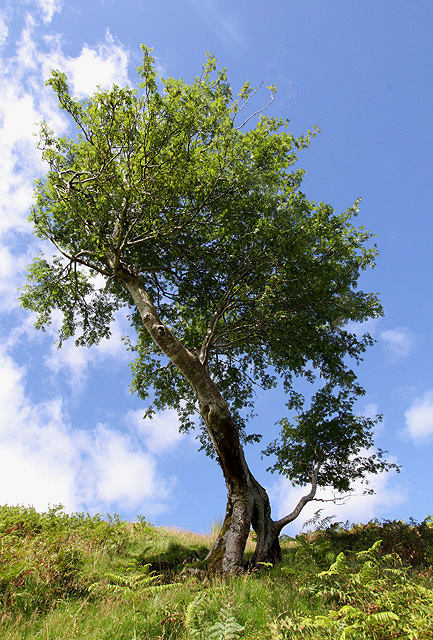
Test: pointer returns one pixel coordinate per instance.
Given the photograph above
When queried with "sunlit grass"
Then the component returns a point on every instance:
(74, 577)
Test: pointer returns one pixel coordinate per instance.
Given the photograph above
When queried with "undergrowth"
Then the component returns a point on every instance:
(371, 597)
(73, 576)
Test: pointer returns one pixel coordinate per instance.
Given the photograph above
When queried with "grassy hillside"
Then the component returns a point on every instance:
(75, 576)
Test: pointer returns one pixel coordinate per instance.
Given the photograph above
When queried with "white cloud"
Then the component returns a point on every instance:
(400, 342)
(123, 474)
(359, 328)
(26, 58)
(4, 29)
(419, 418)
(24, 102)
(103, 67)
(11, 278)
(19, 160)
(70, 361)
(371, 410)
(49, 8)
(36, 458)
(73, 363)
(357, 508)
(159, 433)
(44, 461)
(100, 66)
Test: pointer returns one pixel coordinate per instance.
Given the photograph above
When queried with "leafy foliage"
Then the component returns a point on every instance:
(168, 186)
(226, 627)
(372, 598)
(46, 556)
(331, 436)
(412, 541)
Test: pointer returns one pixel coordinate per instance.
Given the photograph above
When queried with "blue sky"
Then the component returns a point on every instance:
(70, 431)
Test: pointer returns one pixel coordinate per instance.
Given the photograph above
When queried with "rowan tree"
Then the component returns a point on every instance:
(193, 214)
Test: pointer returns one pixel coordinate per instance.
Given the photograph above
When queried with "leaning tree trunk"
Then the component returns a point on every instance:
(247, 501)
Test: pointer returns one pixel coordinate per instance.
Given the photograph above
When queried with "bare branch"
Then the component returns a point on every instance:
(258, 111)
(279, 524)
(246, 100)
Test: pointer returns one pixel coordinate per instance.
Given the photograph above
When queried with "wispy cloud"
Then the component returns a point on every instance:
(161, 433)
(399, 342)
(419, 418)
(74, 363)
(36, 459)
(118, 473)
(25, 102)
(360, 328)
(12, 266)
(227, 27)
(4, 28)
(100, 66)
(371, 410)
(49, 8)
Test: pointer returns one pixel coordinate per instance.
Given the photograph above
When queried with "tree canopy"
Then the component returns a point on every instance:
(192, 213)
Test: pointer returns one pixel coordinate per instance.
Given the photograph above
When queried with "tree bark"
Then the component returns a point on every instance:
(247, 501)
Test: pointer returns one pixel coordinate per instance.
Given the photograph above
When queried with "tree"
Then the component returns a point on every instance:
(197, 224)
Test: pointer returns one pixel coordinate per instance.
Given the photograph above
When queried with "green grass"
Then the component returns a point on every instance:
(74, 576)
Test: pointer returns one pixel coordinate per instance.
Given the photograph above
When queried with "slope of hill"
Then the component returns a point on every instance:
(74, 576)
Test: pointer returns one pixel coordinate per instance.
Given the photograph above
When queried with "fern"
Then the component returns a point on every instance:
(313, 520)
(197, 618)
(194, 616)
(319, 523)
(377, 602)
(130, 586)
(337, 567)
(384, 617)
(370, 553)
(134, 581)
(226, 627)
(158, 588)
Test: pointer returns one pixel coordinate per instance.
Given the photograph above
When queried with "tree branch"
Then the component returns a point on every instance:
(80, 260)
(279, 524)
(259, 110)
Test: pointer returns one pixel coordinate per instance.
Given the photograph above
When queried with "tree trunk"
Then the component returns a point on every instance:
(247, 502)
(258, 516)
(267, 546)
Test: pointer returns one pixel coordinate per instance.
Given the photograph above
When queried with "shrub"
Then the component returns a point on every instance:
(412, 541)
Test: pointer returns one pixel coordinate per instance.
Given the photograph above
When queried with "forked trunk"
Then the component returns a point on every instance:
(239, 521)
(267, 531)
